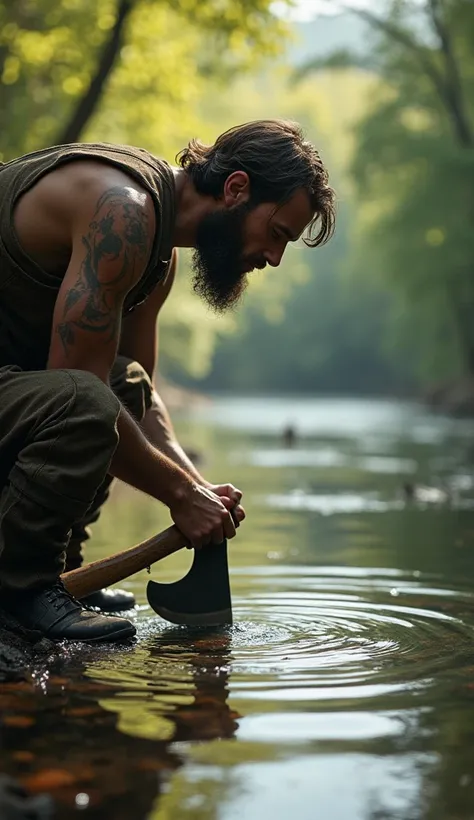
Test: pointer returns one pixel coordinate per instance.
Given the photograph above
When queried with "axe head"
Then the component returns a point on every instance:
(202, 597)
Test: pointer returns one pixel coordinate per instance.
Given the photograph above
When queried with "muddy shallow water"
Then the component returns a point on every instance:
(345, 687)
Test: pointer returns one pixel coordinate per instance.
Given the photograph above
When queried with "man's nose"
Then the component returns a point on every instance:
(274, 257)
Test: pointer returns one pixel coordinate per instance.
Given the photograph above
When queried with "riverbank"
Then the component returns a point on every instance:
(453, 398)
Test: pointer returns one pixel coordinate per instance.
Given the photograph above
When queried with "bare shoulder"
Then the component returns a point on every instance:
(70, 198)
(79, 186)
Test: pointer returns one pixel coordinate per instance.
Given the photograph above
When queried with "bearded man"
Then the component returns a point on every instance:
(88, 234)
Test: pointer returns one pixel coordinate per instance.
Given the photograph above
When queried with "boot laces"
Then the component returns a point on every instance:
(59, 597)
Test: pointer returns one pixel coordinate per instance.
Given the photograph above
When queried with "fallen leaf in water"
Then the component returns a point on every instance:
(18, 721)
(47, 779)
(23, 756)
(83, 711)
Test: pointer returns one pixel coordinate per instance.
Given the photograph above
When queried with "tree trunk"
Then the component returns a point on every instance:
(447, 83)
(454, 96)
(88, 103)
(463, 318)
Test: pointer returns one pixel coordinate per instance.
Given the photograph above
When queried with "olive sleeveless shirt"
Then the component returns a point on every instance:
(27, 292)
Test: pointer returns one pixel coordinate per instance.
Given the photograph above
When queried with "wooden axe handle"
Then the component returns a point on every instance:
(114, 568)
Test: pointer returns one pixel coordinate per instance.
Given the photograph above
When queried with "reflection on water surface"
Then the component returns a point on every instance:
(345, 687)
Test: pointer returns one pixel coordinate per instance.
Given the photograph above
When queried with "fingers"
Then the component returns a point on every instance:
(218, 536)
(212, 526)
(234, 494)
(238, 514)
(236, 510)
(229, 526)
(229, 491)
(227, 502)
(202, 541)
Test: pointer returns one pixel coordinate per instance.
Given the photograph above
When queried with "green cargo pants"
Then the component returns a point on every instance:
(58, 434)
(133, 386)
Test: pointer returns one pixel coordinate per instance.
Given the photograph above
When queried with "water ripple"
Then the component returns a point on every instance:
(346, 633)
(306, 634)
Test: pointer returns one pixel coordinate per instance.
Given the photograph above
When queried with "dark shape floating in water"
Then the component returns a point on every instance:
(289, 436)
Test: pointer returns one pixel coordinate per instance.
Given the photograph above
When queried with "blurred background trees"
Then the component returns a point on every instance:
(385, 92)
(414, 176)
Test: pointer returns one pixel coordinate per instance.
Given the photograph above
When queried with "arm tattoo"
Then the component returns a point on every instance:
(116, 247)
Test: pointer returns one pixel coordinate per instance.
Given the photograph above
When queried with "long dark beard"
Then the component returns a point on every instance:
(217, 260)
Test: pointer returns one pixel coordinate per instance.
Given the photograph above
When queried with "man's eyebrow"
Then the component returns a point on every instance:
(287, 232)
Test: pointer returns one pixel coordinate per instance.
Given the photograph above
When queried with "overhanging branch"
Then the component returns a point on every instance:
(89, 101)
(454, 89)
(447, 84)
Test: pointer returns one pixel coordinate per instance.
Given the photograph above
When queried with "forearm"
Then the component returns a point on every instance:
(138, 463)
(158, 428)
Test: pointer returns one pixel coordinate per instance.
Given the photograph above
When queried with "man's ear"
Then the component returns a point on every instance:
(236, 189)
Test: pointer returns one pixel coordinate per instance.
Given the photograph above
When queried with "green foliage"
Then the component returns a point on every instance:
(341, 59)
(414, 173)
(49, 51)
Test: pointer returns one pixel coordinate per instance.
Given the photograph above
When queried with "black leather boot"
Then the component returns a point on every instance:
(110, 600)
(58, 615)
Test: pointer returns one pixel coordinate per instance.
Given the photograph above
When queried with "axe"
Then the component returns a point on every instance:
(201, 598)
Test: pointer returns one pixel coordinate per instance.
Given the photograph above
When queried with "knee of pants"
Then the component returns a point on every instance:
(132, 385)
(96, 406)
(66, 454)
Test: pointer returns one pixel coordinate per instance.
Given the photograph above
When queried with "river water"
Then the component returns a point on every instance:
(345, 687)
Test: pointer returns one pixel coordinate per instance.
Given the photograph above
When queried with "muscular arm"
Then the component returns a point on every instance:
(111, 247)
(112, 239)
(139, 341)
(139, 337)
